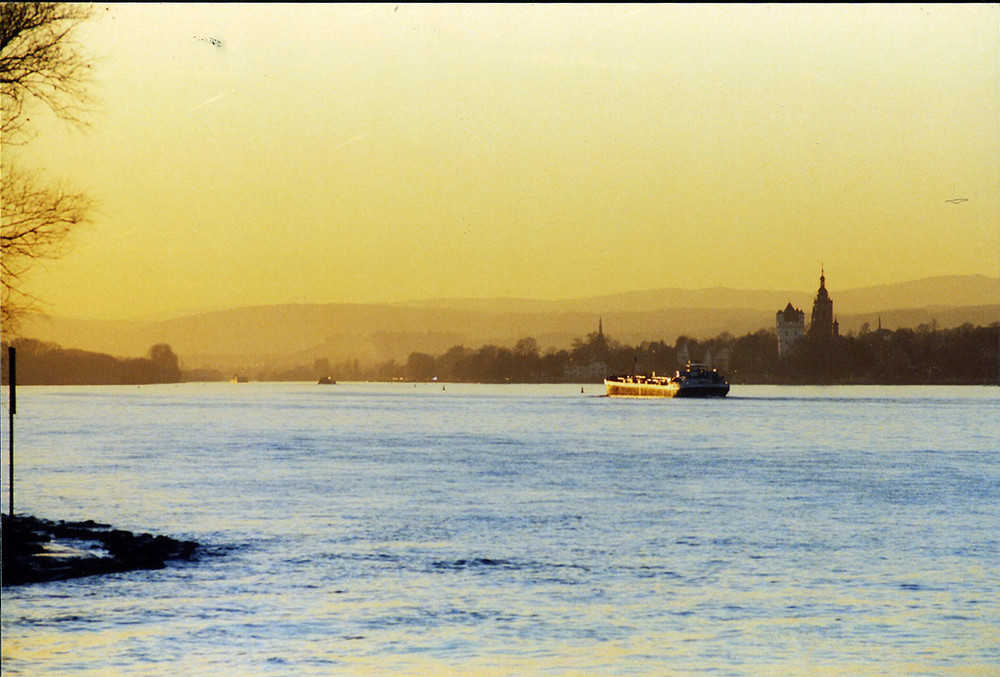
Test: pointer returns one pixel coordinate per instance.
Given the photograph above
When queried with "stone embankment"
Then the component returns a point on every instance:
(37, 550)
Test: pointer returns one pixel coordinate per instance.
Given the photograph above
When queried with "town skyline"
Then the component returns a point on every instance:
(266, 154)
(289, 333)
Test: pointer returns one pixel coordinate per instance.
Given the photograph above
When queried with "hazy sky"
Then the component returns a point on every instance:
(364, 153)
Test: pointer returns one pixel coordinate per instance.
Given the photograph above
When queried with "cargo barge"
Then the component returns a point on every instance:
(696, 380)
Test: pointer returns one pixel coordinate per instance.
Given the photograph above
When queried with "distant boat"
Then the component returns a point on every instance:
(696, 380)
(239, 379)
(326, 381)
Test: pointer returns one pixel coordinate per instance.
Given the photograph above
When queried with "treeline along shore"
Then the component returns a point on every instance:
(40, 363)
(925, 355)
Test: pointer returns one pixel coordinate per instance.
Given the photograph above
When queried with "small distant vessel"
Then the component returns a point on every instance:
(239, 378)
(326, 381)
(696, 380)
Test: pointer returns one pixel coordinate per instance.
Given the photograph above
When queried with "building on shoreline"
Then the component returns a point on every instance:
(718, 361)
(597, 366)
(791, 322)
(823, 325)
(791, 327)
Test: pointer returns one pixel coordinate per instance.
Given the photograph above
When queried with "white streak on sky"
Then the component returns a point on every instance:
(357, 138)
(208, 101)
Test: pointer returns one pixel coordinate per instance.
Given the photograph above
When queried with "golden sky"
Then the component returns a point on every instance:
(258, 154)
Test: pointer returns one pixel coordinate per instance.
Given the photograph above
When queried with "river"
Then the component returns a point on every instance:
(512, 530)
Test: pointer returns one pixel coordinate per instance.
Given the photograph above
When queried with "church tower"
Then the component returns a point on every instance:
(600, 343)
(823, 324)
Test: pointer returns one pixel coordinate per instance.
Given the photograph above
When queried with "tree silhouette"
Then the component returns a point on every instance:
(40, 62)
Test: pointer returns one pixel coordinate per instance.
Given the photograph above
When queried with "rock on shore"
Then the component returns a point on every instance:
(37, 550)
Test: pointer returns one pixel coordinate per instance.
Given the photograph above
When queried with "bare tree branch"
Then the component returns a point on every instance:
(39, 61)
(34, 224)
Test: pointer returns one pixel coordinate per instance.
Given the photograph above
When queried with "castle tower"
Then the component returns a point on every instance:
(823, 324)
(791, 323)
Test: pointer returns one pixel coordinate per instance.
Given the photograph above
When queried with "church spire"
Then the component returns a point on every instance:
(823, 323)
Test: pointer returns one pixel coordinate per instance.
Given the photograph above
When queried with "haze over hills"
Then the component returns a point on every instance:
(945, 291)
(293, 334)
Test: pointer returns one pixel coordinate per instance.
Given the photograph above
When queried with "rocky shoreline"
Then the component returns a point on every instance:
(38, 550)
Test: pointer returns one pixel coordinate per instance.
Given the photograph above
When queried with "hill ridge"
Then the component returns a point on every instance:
(297, 331)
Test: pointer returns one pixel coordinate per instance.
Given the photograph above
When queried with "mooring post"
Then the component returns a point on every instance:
(12, 408)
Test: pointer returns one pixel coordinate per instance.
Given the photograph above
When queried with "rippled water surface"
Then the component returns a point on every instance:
(463, 529)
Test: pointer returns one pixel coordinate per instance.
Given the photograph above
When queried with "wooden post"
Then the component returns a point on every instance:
(12, 408)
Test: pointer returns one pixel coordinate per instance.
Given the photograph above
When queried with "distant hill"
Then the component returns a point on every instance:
(944, 291)
(287, 335)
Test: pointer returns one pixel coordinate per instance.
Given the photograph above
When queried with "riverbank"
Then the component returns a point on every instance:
(38, 550)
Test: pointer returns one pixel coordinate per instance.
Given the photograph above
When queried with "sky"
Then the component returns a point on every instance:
(261, 154)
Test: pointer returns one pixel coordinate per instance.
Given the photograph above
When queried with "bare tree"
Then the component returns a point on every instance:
(39, 62)
(35, 223)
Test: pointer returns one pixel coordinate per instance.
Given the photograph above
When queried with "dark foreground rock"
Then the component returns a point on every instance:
(37, 550)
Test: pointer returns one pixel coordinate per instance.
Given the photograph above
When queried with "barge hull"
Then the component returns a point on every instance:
(649, 390)
(638, 390)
